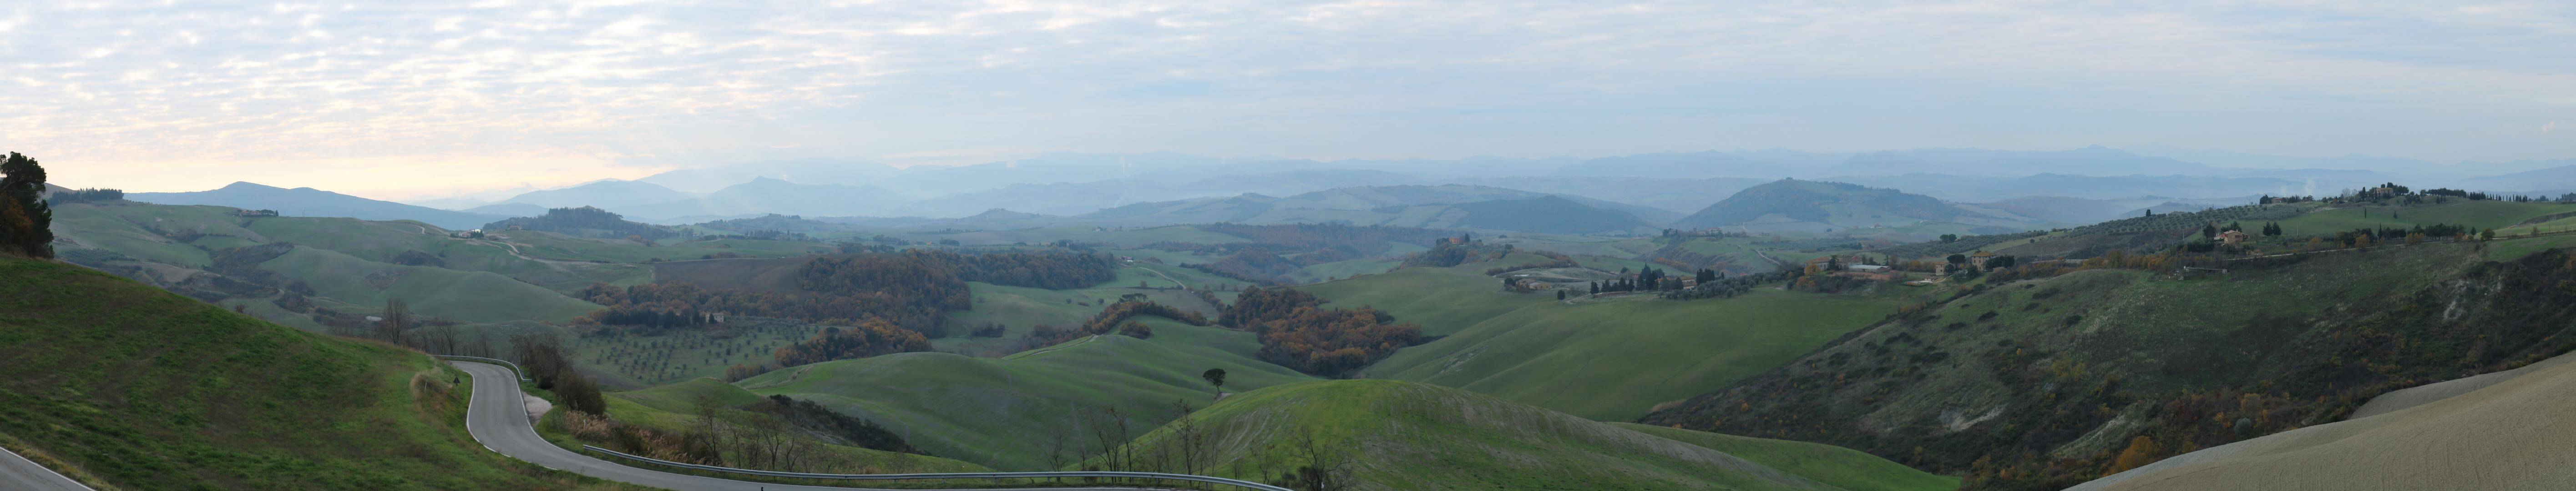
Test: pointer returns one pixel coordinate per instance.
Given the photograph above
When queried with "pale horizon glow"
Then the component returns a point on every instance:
(412, 100)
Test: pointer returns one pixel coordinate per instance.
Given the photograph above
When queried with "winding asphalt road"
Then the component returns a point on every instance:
(19, 473)
(499, 420)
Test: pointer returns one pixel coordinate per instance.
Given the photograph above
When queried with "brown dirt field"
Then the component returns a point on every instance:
(767, 275)
(2517, 434)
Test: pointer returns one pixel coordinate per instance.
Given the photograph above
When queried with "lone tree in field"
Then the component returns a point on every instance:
(25, 221)
(1215, 377)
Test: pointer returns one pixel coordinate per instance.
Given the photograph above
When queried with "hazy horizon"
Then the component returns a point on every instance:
(414, 101)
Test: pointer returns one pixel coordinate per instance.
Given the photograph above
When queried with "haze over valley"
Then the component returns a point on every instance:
(1875, 246)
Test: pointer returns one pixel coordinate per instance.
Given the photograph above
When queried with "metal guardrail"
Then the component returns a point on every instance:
(514, 367)
(949, 475)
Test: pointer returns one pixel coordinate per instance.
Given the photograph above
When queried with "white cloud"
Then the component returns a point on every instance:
(251, 81)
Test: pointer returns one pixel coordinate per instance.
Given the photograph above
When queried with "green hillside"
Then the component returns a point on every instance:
(1003, 412)
(1442, 300)
(137, 388)
(1804, 205)
(1615, 360)
(1548, 214)
(2040, 383)
(460, 295)
(672, 408)
(2483, 214)
(1840, 467)
(1383, 434)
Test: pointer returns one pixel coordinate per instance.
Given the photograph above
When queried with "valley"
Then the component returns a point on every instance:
(1796, 335)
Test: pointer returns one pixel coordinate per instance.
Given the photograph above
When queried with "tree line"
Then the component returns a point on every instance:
(1049, 270)
(868, 338)
(1296, 332)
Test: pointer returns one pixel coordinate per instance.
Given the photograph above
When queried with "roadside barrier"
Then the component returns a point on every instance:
(948, 475)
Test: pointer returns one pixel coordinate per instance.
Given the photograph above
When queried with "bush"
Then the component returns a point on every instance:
(1136, 330)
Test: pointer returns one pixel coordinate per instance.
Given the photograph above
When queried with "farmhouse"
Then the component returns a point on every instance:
(2233, 237)
(1979, 258)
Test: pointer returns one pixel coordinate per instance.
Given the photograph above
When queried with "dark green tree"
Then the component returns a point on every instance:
(1215, 377)
(2208, 231)
(25, 221)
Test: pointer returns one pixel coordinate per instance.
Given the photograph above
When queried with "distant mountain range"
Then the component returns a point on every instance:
(1655, 189)
(1818, 206)
(315, 202)
(1445, 206)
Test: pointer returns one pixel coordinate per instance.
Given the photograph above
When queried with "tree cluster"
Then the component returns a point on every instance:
(85, 195)
(1333, 342)
(544, 359)
(25, 221)
(1116, 314)
(1049, 270)
(1729, 287)
(840, 290)
(859, 432)
(1650, 280)
(868, 338)
(1256, 305)
(586, 222)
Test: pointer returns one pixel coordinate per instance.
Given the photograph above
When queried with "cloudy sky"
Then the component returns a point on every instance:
(401, 101)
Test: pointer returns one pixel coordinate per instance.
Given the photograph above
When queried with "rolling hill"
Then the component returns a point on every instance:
(131, 387)
(2480, 438)
(766, 195)
(1383, 434)
(609, 193)
(315, 202)
(1004, 412)
(2042, 383)
(1559, 356)
(2094, 160)
(1445, 206)
(1794, 205)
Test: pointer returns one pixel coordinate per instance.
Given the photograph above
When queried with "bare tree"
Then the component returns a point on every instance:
(396, 319)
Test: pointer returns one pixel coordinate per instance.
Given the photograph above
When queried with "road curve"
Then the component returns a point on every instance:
(497, 418)
(19, 473)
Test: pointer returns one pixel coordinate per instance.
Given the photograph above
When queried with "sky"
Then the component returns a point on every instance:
(399, 100)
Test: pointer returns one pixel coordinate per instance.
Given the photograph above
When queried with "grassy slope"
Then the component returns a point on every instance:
(1991, 368)
(1616, 360)
(149, 390)
(1403, 435)
(1022, 308)
(672, 408)
(1841, 467)
(462, 295)
(2480, 214)
(1002, 412)
(1442, 300)
(122, 227)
